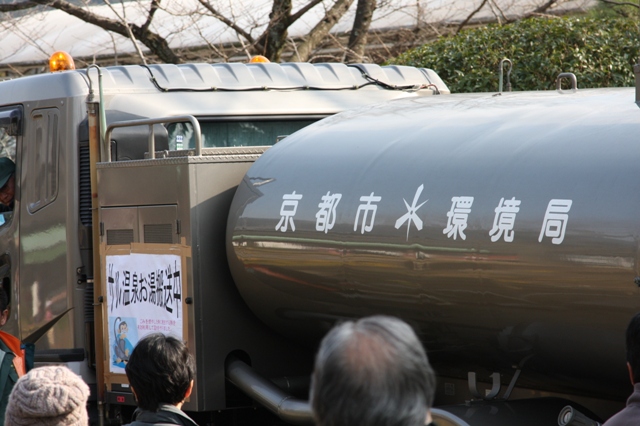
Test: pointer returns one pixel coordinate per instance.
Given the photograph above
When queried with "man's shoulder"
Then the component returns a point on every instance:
(166, 416)
(628, 416)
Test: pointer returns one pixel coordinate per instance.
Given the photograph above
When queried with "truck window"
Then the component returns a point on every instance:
(10, 127)
(234, 133)
(41, 155)
(7, 144)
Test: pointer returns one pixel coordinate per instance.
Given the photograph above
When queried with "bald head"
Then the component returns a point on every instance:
(373, 372)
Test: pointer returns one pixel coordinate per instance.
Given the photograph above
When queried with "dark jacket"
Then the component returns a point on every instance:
(630, 415)
(166, 415)
(14, 363)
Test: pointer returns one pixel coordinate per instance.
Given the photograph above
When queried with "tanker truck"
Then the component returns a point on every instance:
(124, 177)
(501, 226)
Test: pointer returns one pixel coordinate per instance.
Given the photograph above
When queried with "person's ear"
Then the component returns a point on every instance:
(188, 392)
(133, 391)
(630, 374)
(4, 317)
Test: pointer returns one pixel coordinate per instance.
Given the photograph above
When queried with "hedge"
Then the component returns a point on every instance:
(601, 52)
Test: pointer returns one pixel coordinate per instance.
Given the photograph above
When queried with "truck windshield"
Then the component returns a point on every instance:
(234, 133)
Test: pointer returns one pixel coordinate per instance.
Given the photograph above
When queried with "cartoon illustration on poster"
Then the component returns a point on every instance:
(144, 296)
(126, 337)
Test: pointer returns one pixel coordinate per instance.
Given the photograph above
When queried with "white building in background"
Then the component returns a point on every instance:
(186, 23)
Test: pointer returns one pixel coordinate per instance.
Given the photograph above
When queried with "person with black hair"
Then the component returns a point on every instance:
(161, 372)
(630, 415)
(372, 372)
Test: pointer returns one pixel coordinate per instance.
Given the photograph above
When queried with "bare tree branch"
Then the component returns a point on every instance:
(157, 44)
(115, 49)
(540, 10)
(497, 12)
(321, 30)
(620, 3)
(123, 19)
(155, 4)
(545, 6)
(15, 70)
(17, 6)
(338, 43)
(228, 22)
(360, 29)
(273, 40)
(293, 18)
(211, 46)
(471, 15)
(34, 40)
(245, 49)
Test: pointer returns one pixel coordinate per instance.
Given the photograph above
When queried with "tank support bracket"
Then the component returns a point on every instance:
(495, 387)
(512, 384)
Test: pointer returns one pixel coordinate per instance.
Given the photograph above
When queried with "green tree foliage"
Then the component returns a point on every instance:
(600, 51)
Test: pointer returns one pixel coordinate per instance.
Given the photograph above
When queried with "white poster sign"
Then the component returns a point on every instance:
(144, 296)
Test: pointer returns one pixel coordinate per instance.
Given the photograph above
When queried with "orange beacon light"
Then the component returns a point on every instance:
(259, 59)
(61, 61)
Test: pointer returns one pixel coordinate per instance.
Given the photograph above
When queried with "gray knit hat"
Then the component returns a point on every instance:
(48, 396)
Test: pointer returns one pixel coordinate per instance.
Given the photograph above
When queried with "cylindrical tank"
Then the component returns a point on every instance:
(504, 228)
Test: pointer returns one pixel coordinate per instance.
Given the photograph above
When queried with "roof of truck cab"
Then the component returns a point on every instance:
(261, 76)
(228, 88)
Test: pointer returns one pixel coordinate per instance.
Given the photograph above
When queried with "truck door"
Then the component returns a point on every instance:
(44, 251)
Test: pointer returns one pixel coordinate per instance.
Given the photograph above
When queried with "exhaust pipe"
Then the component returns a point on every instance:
(267, 394)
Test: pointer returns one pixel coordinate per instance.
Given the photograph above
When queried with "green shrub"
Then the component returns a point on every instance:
(601, 52)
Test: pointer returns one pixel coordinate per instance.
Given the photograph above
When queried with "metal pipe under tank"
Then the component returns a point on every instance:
(526, 412)
(266, 393)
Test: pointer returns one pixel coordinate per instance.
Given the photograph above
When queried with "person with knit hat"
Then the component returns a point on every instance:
(161, 372)
(48, 396)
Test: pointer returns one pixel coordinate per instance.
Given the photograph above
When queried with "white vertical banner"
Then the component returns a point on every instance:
(144, 295)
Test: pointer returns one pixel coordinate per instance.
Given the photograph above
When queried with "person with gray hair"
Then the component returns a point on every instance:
(372, 372)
